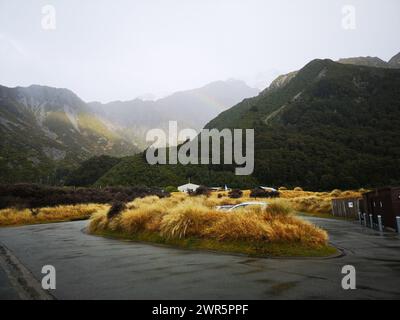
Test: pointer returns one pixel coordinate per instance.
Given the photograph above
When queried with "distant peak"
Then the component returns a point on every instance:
(228, 83)
(395, 61)
(36, 88)
(365, 61)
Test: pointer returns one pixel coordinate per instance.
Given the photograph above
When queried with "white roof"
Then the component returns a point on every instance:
(189, 186)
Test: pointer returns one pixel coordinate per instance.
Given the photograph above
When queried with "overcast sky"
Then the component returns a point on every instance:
(108, 50)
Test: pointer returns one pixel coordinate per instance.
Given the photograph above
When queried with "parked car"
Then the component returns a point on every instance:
(230, 208)
(224, 208)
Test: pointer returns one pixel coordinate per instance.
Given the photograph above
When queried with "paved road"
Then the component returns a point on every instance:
(7, 292)
(96, 268)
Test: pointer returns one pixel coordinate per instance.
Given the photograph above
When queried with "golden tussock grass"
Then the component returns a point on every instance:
(317, 202)
(182, 217)
(190, 218)
(11, 217)
(302, 201)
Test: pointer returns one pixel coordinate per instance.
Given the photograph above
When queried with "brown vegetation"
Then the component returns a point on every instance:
(34, 196)
(13, 217)
(181, 217)
(316, 202)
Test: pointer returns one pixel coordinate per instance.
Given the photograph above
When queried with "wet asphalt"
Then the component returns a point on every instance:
(90, 267)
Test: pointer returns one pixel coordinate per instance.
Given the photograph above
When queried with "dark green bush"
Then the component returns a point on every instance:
(235, 194)
(116, 209)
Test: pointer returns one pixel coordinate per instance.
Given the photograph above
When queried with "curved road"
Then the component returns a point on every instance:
(90, 267)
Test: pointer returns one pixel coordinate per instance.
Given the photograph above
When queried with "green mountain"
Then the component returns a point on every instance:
(46, 131)
(135, 171)
(329, 125)
(91, 170)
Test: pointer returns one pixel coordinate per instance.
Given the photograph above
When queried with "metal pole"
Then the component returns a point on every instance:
(398, 224)
(365, 219)
(371, 222)
(380, 225)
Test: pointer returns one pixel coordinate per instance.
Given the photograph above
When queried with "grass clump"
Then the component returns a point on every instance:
(187, 220)
(336, 193)
(316, 203)
(16, 217)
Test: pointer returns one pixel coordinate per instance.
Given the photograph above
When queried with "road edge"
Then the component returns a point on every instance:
(21, 279)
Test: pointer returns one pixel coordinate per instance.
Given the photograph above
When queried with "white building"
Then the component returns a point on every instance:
(188, 187)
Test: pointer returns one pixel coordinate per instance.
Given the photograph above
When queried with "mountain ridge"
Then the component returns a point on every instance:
(190, 108)
(44, 129)
(376, 62)
(323, 129)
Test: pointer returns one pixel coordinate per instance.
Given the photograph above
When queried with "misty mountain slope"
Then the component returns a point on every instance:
(395, 61)
(44, 128)
(191, 109)
(366, 61)
(328, 125)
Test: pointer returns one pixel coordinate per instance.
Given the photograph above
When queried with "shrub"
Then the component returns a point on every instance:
(298, 189)
(235, 194)
(261, 193)
(280, 207)
(201, 191)
(258, 193)
(116, 209)
(171, 189)
(33, 196)
(336, 193)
